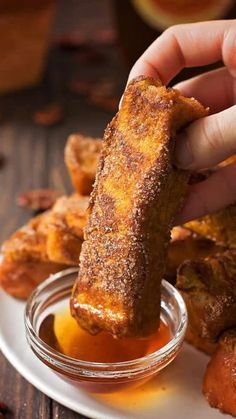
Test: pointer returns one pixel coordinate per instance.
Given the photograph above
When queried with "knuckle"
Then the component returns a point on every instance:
(218, 136)
(169, 32)
(212, 134)
(219, 131)
(229, 49)
(172, 35)
(224, 132)
(202, 201)
(173, 30)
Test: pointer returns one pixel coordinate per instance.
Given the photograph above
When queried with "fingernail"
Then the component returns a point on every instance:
(121, 99)
(183, 154)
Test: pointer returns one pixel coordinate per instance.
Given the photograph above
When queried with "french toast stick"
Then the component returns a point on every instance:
(81, 158)
(136, 196)
(209, 289)
(219, 227)
(219, 384)
(186, 245)
(25, 261)
(46, 244)
(20, 278)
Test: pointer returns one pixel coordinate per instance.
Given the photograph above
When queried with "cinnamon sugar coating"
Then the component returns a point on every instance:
(136, 196)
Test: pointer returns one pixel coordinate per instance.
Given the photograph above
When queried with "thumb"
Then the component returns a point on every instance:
(208, 141)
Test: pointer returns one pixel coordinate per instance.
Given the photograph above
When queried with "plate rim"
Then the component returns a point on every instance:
(25, 372)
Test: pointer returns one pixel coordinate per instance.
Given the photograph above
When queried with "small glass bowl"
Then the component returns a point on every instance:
(95, 376)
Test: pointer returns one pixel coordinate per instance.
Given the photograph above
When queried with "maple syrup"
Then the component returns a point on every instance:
(61, 332)
(72, 354)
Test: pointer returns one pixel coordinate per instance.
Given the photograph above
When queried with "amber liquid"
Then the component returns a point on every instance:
(62, 333)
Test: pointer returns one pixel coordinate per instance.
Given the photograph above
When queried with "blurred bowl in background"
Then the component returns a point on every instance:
(25, 29)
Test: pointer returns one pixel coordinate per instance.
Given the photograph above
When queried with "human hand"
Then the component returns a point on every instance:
(210, 140)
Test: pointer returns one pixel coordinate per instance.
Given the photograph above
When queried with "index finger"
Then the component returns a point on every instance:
(188, 45)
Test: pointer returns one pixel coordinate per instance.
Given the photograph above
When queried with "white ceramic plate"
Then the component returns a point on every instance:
(175, 393)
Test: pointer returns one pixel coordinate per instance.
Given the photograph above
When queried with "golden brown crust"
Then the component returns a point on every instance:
(209, 290)
(45, 245)
(72, 212)
(219, 385)
(137, 193)
(29, 242)
(66, 224)
(81, 158)
(19, 278)
(63, 246)
(219, 227)
(186, 245)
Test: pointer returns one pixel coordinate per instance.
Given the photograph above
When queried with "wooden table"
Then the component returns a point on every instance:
(34, 158)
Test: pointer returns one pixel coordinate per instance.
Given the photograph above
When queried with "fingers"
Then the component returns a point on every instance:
(188, 45)
(215, 193)
(208, 141)
(214, 89)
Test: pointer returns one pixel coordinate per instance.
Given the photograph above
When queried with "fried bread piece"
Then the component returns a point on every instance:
(29, 242)
(81, 158)
(220, 226)
(47, 244)
(65, 236)
(25, 261)
(186, 245)
(209, 290)
(72, 211)
(137, 193)
(19, 278)
(219, 385)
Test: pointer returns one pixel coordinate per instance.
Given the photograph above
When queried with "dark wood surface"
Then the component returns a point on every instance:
(34, 158)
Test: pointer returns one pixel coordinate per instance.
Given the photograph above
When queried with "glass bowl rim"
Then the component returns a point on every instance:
(98, 367)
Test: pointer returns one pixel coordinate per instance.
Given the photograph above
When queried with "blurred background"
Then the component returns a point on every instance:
(63, 68)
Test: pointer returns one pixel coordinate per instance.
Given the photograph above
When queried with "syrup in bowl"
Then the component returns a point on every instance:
(61, 331)
(99, 363)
